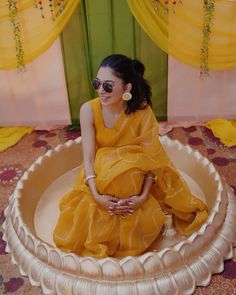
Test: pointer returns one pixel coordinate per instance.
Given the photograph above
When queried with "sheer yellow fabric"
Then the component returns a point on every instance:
(180, 34)
(36, 33)
(225, 130)
(124, 154)
(9, 136)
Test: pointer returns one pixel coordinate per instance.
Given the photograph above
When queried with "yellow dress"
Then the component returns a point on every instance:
(124, 154)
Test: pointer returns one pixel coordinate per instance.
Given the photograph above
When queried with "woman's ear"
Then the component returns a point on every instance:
(128, 87)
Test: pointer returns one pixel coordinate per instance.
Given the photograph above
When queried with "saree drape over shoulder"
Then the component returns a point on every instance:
(125, 153)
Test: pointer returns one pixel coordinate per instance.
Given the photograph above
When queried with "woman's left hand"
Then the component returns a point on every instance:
(127, 206)
(136, 201)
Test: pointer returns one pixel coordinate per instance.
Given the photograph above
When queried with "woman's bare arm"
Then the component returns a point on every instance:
(89, 151)
(88, 143)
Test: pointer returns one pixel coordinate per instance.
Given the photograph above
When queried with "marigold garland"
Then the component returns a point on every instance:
(167, 5)
(56, 7)
(12, 5)
(209, 9)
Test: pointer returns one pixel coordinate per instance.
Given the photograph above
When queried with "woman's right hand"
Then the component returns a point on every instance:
(106, 202)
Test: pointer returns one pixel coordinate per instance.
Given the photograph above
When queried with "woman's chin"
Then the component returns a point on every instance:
(104, 100)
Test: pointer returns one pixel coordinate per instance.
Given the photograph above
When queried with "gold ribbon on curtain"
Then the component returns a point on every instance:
(28, 28)
(181, 34)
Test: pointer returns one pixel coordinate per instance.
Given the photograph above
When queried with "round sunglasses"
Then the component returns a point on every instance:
(107, 86)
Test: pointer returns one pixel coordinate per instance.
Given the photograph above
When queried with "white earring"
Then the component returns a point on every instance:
(126, 96)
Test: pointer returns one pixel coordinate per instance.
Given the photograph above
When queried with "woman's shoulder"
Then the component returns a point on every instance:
(89, 105)
(85, 107)
(90, 110)
(86, 112)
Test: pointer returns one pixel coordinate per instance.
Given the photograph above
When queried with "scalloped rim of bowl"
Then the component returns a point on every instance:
(14, 223)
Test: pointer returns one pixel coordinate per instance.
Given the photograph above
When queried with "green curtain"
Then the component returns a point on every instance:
(102, 27)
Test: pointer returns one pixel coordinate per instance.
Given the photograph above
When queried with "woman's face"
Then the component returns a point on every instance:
(105, 74)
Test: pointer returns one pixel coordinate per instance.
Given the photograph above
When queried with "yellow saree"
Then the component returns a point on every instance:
(124, 154)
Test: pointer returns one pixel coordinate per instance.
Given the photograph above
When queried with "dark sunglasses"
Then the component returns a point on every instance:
(107, 86)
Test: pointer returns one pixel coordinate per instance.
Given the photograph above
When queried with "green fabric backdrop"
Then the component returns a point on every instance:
(102, 27)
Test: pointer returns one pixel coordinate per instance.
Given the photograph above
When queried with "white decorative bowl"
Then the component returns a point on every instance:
(171, 266)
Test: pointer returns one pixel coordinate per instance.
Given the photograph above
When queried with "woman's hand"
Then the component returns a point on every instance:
(127, 206)
(106, 202)
(136, 202)
(124, 207)
(120, 207)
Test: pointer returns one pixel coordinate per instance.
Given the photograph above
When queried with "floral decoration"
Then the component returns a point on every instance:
(8, 175)
(209, 9)
(13, 285)
(70, 135)
(167, 5)
(12, 5)
(55, 7)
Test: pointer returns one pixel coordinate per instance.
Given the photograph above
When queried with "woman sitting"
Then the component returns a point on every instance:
(127, 181)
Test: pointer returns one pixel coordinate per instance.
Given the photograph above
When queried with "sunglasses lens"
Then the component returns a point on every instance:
(108, 87)
(96, 84)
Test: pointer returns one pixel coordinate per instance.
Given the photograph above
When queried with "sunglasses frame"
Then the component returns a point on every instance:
(107, 86)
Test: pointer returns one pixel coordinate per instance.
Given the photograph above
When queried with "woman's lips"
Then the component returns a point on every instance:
(104, 98)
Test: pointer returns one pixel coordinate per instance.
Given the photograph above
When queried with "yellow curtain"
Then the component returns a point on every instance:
(27, 31)
(180, 34)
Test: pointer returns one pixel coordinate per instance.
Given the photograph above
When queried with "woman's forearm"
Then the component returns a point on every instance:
(93, 188)
(149, 180)
(88, 163)
(90, 175)
(90, 178)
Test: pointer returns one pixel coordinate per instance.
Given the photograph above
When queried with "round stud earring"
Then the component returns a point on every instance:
(126, 96)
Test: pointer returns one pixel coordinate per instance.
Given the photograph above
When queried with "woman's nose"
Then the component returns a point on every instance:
(100, 89)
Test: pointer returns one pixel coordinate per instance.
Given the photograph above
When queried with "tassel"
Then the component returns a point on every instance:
(168, 229)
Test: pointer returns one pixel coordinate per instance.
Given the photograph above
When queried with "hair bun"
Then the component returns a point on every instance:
(138, 67)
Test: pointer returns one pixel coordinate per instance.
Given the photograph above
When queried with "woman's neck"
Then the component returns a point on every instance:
(115, 108)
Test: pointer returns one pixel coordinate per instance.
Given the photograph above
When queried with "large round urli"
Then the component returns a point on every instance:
(172, 265)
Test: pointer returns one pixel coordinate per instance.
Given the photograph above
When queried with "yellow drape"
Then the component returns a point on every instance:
(36, 33)
(9, 136)
(180, 34)
(225, 130)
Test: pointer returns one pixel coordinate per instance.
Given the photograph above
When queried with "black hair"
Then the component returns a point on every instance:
(130, 71)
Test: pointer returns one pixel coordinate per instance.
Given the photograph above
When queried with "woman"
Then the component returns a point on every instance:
(126, 181)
